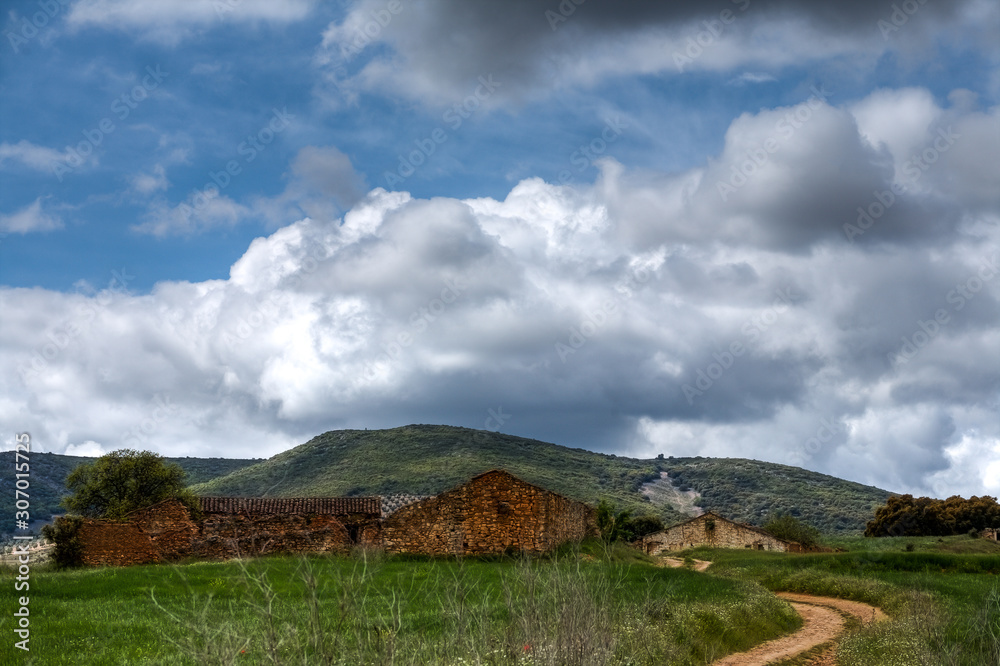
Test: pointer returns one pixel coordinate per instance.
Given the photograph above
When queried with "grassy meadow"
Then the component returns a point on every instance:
(580, 606)
(573, 608)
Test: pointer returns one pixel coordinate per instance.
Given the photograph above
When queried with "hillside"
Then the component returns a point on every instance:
(428, 459)
(49, 471)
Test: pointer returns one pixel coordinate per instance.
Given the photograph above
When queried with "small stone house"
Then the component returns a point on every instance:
(990, 533)
(710, 529)
(494, 512)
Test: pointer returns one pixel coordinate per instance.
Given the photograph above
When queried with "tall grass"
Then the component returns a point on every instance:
(589, 605)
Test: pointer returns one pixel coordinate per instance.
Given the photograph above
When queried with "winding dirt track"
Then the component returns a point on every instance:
(824, 621)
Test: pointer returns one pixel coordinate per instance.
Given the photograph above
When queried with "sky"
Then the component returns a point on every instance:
(763, 229)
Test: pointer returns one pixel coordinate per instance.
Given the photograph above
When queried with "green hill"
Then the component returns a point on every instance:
(49, 471)
(428, 459)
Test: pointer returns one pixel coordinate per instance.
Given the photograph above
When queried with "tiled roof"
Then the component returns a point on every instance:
(336, 506)
(393, 503)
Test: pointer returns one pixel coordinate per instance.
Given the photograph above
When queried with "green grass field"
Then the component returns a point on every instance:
(943, 595)
(576, 608)
(580, 606)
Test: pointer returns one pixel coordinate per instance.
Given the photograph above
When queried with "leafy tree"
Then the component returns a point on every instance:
(123, 481)
(905, 515)
(640, 526)
(790, 528)
(612, 524)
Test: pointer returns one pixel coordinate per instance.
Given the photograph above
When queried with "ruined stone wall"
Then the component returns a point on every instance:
(169, 526)
(239, 535)
(990, 533)
(492, 513)
(714, 531)
(166, 531)
(115, 544)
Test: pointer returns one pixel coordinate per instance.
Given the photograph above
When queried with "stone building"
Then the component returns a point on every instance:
(710, 529)
(990, 533)
(494, 512)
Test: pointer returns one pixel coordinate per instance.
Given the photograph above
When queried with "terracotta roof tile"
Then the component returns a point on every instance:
(336, 506)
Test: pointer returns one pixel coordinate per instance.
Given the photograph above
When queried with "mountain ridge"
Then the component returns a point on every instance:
(424, 459)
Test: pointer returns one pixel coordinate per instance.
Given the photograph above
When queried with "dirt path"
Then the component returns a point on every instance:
(675, 562)
(823, 621)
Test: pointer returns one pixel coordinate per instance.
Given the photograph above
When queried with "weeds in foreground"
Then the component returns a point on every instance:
(524, 611)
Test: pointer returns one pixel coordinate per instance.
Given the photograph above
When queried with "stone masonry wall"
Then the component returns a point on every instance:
(115, 544)
(491, 513)
(237, 535)
(715, 531)
(166, 531)
(169, 526)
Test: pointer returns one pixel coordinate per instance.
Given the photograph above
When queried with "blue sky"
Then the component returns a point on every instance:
(552, 159)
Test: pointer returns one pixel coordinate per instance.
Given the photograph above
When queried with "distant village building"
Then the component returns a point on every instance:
(494, 512)
(990, 533)
(711, 529)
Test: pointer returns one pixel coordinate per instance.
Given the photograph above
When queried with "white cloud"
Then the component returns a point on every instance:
(32, 156)
(29, 219)
(204, 210)
(173, 20)
(584, 312)
(145, 184)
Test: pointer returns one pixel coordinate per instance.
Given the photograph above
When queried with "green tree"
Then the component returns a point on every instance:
(790, 528)
(612, 524)
(640, 526)
(123, 481)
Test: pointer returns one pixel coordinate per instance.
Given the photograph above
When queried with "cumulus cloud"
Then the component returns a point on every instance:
(645, 313)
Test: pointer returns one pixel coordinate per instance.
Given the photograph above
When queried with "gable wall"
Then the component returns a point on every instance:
(726, 534)
(490, 514)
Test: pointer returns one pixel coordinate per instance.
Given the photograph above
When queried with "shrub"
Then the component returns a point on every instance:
(64, 533)
(789, 528)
